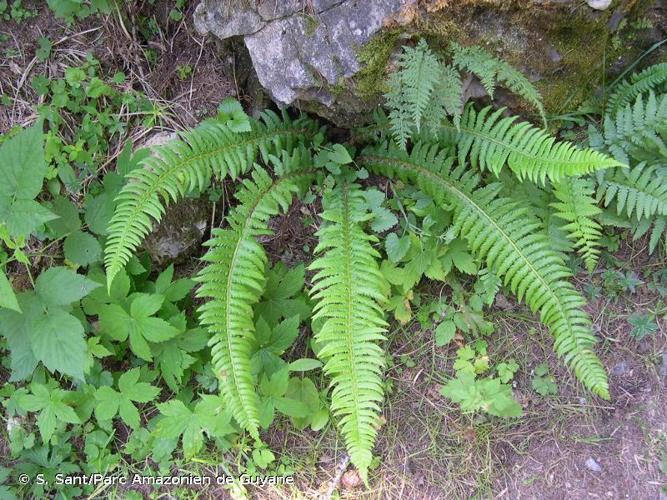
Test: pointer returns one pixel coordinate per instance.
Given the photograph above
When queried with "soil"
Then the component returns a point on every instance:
(565, 446)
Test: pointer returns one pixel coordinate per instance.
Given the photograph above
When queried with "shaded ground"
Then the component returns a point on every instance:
(427, 449)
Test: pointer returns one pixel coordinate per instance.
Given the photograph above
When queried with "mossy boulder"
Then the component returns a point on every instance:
(331, 57)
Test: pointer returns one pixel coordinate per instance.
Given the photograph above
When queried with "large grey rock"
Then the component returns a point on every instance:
(331, 56)
(300, 49)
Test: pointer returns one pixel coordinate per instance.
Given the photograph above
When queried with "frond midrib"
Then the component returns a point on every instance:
(490, 138)
(468, 200)
(157, 181)
(243, 235)
(349, 320)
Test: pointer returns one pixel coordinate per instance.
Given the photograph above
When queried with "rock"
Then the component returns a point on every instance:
(620, 369)
(331, 57)
(179, 233)
(592, 465)
(599, 4)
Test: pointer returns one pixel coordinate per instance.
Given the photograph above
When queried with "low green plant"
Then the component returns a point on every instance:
(473, 392)
(459, 171)
(476, 198)
(543, 382)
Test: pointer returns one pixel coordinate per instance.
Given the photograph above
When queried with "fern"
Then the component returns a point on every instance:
(639, 192)
(652, 78)
(492, 71)
(233, 281)
(636, 132)
(411, 89)
(505, 234)
(184, 165)
(577, 207)
(347, 289)
(489, 142)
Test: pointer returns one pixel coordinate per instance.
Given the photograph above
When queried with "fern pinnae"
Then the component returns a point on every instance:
(636, 131)
(490, 141)
(577, 207)
(347, 290)
(183, 165)
(492, 71)
(507, 236)
(651, 78)
(639, 192)
(233, 281)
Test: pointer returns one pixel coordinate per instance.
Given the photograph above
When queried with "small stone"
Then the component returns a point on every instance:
(351, 480)
(663, 368)
(598, 4)
(554, 55)
(620, 369)
(593, 465)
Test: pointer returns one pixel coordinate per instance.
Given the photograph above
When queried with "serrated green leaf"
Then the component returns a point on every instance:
(82, 248)
(62, 286)
(396, 247)
(7, 295)
(445, 333)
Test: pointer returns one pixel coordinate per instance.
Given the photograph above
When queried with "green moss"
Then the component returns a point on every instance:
(312, 23)
(373, 57)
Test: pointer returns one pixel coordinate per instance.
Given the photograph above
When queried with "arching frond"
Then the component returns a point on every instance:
(233, 281)
(506, 235)
(652, 78)
(639, 192)
(347, 290)
(183, 165)
(492, 71)
(490, 142)
(638, 132)
(577, 207)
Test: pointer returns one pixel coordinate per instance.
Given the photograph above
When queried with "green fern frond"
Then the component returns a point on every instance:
(577, 207)
(233, 281)
(639, 192)
(490, 141)
(181, 166)
(347, 290)
(656, 226)
(637, 131)
(492, 71)
(411, 88)
(507, 236)
(652, 78)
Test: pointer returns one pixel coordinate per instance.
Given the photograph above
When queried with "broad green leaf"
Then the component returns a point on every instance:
(62, 286)
(24, 216)
(57, 340)
(107, 403)
(304, 365)
(7, 295)
(68, 219)
(82, 248)
(445, 332)
(22, 165)
(396, 247)
(145, 305)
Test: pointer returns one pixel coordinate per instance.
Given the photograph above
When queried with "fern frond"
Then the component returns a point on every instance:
(637, 131)
(652, 78)
(656, 226)
(639, 192)
(577, 207)
(233, 281)
(506, 235)
(347, 289)
(490, 141)
(411, 88)
(491, 71)
(183, 165)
